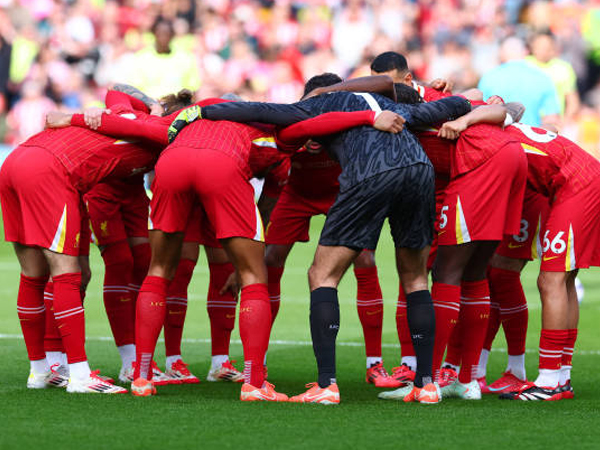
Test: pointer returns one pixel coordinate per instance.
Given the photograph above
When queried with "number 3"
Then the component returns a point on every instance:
(523, 232)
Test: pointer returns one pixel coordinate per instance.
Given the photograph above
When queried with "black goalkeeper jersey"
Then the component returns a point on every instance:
(361, 151)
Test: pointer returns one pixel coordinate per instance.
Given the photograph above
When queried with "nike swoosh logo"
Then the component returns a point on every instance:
(511, 245)
(548, 258)
(175, 312)
(498, 389)
(442, 232)
(372, 313)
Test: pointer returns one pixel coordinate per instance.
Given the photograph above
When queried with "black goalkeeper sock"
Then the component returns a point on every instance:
(421, 323)
(324, 326)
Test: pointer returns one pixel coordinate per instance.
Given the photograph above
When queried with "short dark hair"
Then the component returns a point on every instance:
(406, 94)
(325, 79)
(389, 61)
(160, 20)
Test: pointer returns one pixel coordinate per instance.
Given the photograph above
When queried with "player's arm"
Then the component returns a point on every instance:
(378, 84)
(244, 112)
(494, 114)
(129, 125)
(334, 122)
(425, 114)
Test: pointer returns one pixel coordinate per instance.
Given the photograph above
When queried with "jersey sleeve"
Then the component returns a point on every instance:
(328, 123)
(130, 125)
(273, 113)
(425, 114)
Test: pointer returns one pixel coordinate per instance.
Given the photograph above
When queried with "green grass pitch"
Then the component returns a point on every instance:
(210, 415)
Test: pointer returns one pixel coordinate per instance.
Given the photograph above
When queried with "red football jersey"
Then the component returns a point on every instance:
(90, 157)
(555, 162)
(477, 144)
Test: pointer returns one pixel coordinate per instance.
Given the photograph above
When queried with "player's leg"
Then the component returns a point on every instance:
(247, 256)
(572, 323)
(118, 298)
(329, 265)
(275, 257)
(369, 303)
(151, 304)
(31, 311)
(177, 303)
(474, 311)
(221, 304)
(504, 277)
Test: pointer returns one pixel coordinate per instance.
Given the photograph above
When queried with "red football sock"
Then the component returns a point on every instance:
(31, 312)
(493, 323)
(474, 315)
(552, 344)
(274, 286)
(406, 345)
(52, 339)
(119, 301)
(454, 350)
(369, 302)
(69, 315)
(507, 291)
(177, 299)
(567, 355)
(255, 327)
(221, 308)
(141, 262)
(446, 302)
(150, 317)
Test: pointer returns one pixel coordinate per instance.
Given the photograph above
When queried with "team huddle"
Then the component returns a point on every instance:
(471, 195)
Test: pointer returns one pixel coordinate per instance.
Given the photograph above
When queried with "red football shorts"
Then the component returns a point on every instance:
(185, 176)
(118, 211)
(40, 207)
(200, 230)
(485, 203)
(528, 243)
(572, 236)
(290, 219)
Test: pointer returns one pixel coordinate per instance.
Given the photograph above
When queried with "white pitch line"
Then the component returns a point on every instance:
(297, 343)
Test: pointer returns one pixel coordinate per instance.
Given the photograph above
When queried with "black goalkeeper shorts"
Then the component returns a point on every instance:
(406, 196)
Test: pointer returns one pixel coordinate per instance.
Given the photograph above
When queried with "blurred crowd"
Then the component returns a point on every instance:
(64, 53)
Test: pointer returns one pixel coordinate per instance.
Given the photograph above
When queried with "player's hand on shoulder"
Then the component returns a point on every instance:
(184, 118)
(441, 84)
(389, 121)
(57, 119)
(452, 129)
(93, 117)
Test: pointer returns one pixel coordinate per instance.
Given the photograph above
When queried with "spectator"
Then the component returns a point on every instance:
(515, 80)
(28, 115)
(159, 69)
(544, 49)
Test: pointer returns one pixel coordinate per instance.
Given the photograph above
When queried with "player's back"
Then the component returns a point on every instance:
(91, 157)
(555, 161)
(365, 151)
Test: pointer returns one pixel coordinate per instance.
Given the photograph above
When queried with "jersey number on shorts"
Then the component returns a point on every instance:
(523, 232)
(557, 245)
(443, 217)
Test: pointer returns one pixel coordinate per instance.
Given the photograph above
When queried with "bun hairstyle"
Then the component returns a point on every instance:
(174, 102)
